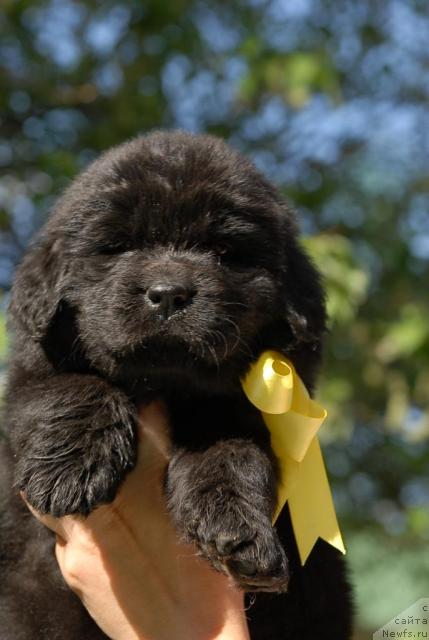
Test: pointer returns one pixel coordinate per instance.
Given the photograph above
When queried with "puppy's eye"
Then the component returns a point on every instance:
(111, 249)
(231, 255)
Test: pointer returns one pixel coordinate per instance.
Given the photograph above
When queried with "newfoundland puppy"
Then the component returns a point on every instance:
(164, 271)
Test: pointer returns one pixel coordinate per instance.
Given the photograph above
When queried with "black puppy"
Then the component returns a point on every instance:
(165, 270)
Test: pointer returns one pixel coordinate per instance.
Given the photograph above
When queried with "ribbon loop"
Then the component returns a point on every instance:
(270, 384)
(293, 419)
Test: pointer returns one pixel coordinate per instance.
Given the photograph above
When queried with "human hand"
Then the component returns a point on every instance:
(129, 570)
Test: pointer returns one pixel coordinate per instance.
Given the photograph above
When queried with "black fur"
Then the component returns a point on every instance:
(90, 346)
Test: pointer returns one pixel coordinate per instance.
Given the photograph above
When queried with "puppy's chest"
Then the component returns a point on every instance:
(201, 416)
(198, 422)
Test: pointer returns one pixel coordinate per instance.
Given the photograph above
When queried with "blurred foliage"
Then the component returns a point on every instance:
(404, 580)
(2, 337)
(330, 99)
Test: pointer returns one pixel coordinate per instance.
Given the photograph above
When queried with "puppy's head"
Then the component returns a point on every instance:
(170, 253)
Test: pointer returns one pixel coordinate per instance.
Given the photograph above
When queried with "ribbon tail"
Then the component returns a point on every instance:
(289, 474)
(311, 507)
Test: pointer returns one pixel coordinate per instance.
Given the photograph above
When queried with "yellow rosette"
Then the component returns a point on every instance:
(294, 419)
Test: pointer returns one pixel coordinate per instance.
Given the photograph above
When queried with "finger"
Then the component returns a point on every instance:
(154, 430)
(74, 579)
(62, 527)
(46, 519)
(60, 549)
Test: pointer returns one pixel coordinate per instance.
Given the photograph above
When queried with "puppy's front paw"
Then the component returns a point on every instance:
(236, 539)
(245, 546)
(80, 457)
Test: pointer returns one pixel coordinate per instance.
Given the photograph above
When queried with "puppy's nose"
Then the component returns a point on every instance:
(169, 298)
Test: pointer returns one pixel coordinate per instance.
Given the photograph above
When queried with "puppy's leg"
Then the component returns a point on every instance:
(73, 438)
(222, 500)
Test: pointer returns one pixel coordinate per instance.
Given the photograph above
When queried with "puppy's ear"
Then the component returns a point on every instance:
(305, 310)
(36, 291)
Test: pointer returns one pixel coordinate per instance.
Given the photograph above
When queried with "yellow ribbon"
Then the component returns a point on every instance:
(294, 419)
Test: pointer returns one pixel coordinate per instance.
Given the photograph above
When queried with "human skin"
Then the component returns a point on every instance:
(131, 573)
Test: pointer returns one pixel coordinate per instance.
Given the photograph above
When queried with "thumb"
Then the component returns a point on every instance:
(142, 491)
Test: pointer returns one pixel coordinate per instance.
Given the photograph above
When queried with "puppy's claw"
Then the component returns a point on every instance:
(253, 573)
